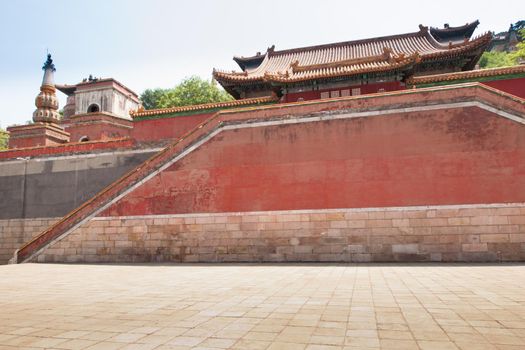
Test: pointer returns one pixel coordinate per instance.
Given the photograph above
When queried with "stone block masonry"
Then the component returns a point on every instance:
(472, 233)
(15, 232)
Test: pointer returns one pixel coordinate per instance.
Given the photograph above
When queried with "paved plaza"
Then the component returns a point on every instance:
(309, 306)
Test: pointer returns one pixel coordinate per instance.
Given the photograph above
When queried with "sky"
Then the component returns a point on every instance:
(157, 43)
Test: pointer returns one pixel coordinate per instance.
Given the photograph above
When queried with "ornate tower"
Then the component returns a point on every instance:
(45, 131)
(46, 102)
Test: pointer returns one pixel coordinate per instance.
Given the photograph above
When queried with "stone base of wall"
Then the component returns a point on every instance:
(470, 233)
(15, 232)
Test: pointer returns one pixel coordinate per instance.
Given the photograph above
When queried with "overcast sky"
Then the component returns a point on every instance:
(156, 43)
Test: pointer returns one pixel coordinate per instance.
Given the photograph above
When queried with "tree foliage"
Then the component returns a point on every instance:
(150, 97)
(519, 54)
(4, 138)
(494, 59)
(191, 91)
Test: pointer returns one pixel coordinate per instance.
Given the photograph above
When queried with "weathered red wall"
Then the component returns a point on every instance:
(166, 128)
(68, 148)
(97, 131)
(35, 141)
(512, 86)
(448, 156)
(365, 89)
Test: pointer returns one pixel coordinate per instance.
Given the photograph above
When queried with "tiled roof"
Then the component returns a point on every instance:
(344, 68)
(479, 73)
(454, 33)
(234, 103)
(344, 57)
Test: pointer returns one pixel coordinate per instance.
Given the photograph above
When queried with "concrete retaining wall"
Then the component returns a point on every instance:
(53, 186)
(442, 233)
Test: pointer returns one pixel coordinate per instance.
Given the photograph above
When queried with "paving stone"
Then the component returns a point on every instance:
(436, 345)
(300, 306)
(76, 344)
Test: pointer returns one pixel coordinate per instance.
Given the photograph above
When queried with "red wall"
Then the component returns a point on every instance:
(512, 86)
(67, 148)
(34, 141)
(450, 156)
(365, 89)
(166, 128)
(97, 131)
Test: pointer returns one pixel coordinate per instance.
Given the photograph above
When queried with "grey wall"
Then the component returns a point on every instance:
(52, 187)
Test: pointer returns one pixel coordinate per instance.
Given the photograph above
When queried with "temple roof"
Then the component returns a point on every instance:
(454, 34)
(351, 57)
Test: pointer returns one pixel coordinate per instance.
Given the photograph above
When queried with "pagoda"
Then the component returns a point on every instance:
(45, 129)
(355, 67)
(46, 102)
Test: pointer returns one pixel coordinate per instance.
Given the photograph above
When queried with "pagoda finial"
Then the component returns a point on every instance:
(49, 63)
(49, 70)
(46, 102)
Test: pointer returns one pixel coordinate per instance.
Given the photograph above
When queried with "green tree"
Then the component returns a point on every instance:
(493, 59)
(519, 55)
(150, 97)
(4, 138)
(191, 91)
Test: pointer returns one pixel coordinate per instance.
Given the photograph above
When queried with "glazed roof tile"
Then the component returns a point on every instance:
(344, 68)
(206, 106)
(479, 73)
(278, 65)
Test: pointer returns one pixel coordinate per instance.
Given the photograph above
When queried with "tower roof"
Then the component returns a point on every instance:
(454, 34)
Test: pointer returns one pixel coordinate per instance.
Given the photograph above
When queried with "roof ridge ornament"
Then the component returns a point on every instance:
(415, 57)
